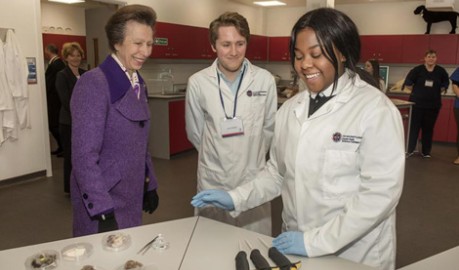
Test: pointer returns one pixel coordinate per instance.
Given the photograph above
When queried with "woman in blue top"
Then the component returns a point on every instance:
(455, 79)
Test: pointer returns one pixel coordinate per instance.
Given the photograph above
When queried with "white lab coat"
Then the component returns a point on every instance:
(7, 106)
(225, 163)
(6, 99)
(16, 75)
(6, 103)
(340, 173)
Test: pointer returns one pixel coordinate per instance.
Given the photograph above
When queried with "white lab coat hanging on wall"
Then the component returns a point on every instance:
(6, 100)
(16, 75)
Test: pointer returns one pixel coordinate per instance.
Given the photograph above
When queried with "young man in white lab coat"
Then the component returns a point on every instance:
(230, 111)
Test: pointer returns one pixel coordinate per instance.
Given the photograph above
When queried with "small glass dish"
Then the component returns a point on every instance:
(116, 241)
(44, 260)
(77, 252)
(160, 243)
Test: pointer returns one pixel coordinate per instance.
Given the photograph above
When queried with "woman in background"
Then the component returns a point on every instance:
(112, 176)
(372, 67)
(65, 81)
(455, 83)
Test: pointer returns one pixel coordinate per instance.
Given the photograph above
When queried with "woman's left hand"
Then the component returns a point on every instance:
(150, 201)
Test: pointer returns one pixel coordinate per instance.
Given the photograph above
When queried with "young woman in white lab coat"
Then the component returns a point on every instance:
(339, 168)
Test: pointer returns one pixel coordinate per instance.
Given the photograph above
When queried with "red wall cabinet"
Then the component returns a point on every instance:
(59, 40)
(278, 48)
(178, 141)
(409, 48)
(445, 127)
(175, 41)
(457, 53)
(202, 43)
(442, 123)
(414, 48)
(385, 49)
(258, 48)
(445, 46)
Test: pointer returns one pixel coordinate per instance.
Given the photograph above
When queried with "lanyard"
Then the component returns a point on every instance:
(235, 98)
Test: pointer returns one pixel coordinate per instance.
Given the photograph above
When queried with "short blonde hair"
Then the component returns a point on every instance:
(70, 47)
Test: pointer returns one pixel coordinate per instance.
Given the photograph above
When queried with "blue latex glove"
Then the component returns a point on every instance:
(215, 197)
(290, 243)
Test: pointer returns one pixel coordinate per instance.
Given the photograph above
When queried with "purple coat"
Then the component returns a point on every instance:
(109, 149)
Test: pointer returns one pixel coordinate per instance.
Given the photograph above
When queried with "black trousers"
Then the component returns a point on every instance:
(66, 139)
(422, 120)
(54, 107)
(456, 116)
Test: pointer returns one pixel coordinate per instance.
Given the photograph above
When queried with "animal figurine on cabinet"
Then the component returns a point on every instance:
(437, 16)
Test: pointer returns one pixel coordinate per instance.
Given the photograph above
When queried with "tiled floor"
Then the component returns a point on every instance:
(37, 210)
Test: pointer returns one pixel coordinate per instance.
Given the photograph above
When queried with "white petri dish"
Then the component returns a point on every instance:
(77, 252)
(43, 260)
(116, 241)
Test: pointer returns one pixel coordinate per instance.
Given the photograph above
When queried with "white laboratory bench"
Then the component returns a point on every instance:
(404, 104)
(194, 243)
(447, 260)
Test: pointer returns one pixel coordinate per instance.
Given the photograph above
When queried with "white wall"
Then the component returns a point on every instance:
(391, 18)
(30, 153)
(63, 19)
(280, 20)
(201, 12)
(95, 21)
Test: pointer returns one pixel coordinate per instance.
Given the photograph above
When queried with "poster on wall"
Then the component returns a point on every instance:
(32, 68)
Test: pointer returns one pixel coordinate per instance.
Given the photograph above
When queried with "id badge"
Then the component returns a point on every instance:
(232, 127)
(428, 83)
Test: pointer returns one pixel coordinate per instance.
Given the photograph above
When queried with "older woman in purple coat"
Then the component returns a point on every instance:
(113, 177)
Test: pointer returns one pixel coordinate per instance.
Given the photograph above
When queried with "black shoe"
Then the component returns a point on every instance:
(57, 151)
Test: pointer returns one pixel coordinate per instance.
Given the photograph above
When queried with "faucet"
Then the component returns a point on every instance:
(166, 77)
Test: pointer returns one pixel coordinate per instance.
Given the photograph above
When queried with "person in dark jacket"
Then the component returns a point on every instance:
(426, 83)
(65, 81)
(55, 65)
(112, 177)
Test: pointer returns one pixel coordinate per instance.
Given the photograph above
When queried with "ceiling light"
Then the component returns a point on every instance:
(67, 1)
(269, 3)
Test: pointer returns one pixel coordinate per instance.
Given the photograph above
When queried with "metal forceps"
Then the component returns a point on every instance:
(147, 246)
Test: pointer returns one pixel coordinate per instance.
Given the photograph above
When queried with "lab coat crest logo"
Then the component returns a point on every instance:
(336, 137)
